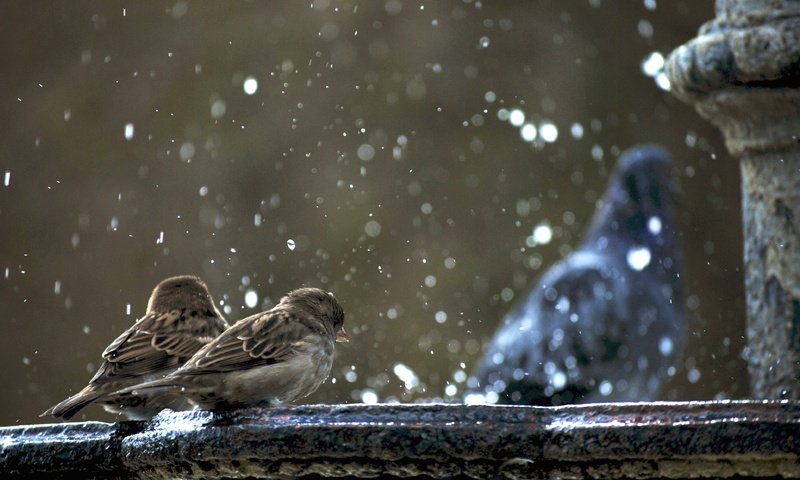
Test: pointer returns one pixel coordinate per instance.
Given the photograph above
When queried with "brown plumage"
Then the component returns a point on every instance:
(269, 358)
(181, 318)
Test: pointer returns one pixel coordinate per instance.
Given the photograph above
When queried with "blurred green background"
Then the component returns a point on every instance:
(146, 139)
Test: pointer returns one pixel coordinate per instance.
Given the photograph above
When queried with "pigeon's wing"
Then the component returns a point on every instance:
(568, 328)
(263, 339)
(158, 341)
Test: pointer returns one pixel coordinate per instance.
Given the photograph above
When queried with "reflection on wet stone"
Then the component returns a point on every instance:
(666, 440)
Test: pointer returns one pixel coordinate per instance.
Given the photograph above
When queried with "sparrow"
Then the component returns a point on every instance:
(607, 322)
(267, 359)
(180, 319)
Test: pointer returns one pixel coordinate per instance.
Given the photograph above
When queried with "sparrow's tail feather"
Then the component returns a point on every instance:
(149, 389)
(72, 405)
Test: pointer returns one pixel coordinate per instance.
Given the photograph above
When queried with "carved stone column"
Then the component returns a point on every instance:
(742, 72)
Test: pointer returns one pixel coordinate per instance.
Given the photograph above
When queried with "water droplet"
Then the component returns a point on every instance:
(542, 234)
(484, 42)
(218, 108)
(507, 294)
(250, 85)
(606, 388)
(372, 228)
(290, 243)
(516, 117)
(559, 380)
(393, 7)
(406, 375)
(576, 129)
(369, 396)
(366, 152)
(528, 132)
(498, 358)
(638, 258)
(129, 130)
(662, 81)
(474, 399)
(665, 346)
(653, 64)
(597, 152)
(563, 304)
(654, 225)
(645, 28)
(186, 151)
(251, 298)
(549, 132)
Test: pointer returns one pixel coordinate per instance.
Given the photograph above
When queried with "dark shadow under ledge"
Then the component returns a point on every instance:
(741, 439)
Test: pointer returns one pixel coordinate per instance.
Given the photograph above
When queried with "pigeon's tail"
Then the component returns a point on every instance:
(72, 405)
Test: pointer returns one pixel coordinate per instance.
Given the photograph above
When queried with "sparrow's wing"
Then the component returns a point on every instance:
(159, 340)
(263, 339)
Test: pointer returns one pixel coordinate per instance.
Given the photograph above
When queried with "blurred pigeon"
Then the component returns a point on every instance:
(180, 319)
(606, 323)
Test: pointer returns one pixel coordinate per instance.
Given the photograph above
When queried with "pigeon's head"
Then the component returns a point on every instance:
(643, 182)
(637, 207)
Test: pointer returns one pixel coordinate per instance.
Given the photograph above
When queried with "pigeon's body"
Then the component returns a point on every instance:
(606, 323)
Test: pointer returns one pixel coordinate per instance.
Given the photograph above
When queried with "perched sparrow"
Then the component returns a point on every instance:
(180, 319)
(607, 322)
(267, 359)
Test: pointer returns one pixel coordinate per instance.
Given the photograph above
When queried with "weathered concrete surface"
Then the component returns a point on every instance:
(742, 72)
(661, 440)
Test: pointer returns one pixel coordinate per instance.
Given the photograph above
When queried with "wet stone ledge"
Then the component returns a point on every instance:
(744, 439)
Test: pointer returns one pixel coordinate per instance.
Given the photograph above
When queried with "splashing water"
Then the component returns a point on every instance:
(639, 258)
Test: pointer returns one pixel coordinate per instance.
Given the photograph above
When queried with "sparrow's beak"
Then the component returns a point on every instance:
(342, 336)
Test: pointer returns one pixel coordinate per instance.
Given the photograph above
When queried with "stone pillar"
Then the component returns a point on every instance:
(742, 72)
